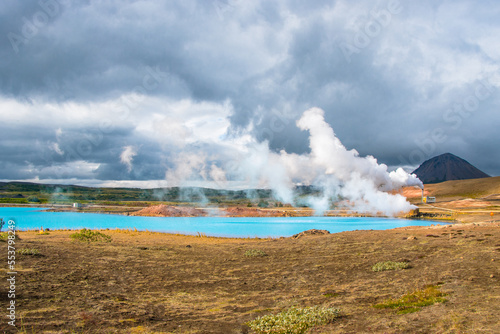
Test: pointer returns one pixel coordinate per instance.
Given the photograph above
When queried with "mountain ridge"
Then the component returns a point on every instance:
(447, 167)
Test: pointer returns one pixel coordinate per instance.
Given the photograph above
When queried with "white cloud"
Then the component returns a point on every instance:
(219, 79)
(127, 156)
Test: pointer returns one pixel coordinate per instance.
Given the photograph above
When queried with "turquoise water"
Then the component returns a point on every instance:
(34, 218)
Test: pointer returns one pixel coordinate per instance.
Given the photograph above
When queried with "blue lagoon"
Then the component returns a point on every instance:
(35, 218)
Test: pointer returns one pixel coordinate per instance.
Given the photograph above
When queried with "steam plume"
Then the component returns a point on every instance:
(341, 175)
(127, 156)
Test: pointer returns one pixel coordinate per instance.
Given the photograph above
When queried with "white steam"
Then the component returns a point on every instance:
(127, 156)
(341, 175)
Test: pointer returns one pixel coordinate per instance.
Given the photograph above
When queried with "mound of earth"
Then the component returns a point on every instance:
(255, 212)
(250, 212)
(169, 211)
(309, 232)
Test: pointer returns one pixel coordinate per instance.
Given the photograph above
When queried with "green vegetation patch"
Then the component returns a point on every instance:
(90, 236)
(255, 253)
(14, 200)
(390, 265)
(33, 199)
(4, 236)
(413, 301)
(29, 251)
(294, 320)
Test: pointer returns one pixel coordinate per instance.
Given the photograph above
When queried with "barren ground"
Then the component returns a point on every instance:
(144, 282)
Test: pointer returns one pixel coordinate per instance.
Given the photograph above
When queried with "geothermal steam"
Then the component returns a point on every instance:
(341, 175)
(127, 156)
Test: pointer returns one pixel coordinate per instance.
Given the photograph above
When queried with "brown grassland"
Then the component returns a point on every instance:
(146, 282)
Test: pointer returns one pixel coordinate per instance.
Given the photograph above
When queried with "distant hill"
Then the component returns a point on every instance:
(447, 167)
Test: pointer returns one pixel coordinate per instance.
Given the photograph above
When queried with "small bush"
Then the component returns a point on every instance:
(90, 236)
(263, 204)
(33, 199)
(294, 320)
(255, 253)
(29, 251)
(4, 236)
(390, 265)
(413, 301)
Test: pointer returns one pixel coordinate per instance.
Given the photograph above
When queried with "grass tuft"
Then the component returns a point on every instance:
(413, 301)
(255, 253)
(294, 320)
(29, 251)
(390, 265)
(4, 236)
(87, 235)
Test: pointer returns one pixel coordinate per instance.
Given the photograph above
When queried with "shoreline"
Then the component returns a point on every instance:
(230, 211)
(437, 225)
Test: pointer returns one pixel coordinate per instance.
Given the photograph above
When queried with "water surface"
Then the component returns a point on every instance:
(35, 218)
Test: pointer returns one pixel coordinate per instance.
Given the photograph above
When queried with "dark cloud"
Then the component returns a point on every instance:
(385, 81)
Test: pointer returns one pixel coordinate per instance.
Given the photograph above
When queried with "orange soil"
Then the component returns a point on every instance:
(169, 211)
(467, 203)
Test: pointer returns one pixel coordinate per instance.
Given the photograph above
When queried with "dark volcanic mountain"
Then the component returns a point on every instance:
(447, 167)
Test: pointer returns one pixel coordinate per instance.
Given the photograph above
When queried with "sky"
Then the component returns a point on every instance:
(167, 93)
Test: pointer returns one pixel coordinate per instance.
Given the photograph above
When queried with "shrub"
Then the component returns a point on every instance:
(263, 204)
(255, 253)
(33, 199)
(4, 236)
(413, 301)
(390, 265)
(29, 251)
(90, 236)
(294, 320)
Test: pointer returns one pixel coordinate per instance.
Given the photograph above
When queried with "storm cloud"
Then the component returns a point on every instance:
(103, 92)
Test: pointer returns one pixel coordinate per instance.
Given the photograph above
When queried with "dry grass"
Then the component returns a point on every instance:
(152, 282)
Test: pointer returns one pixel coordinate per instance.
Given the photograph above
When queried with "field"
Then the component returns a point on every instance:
(464, 201)
(144, 282)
